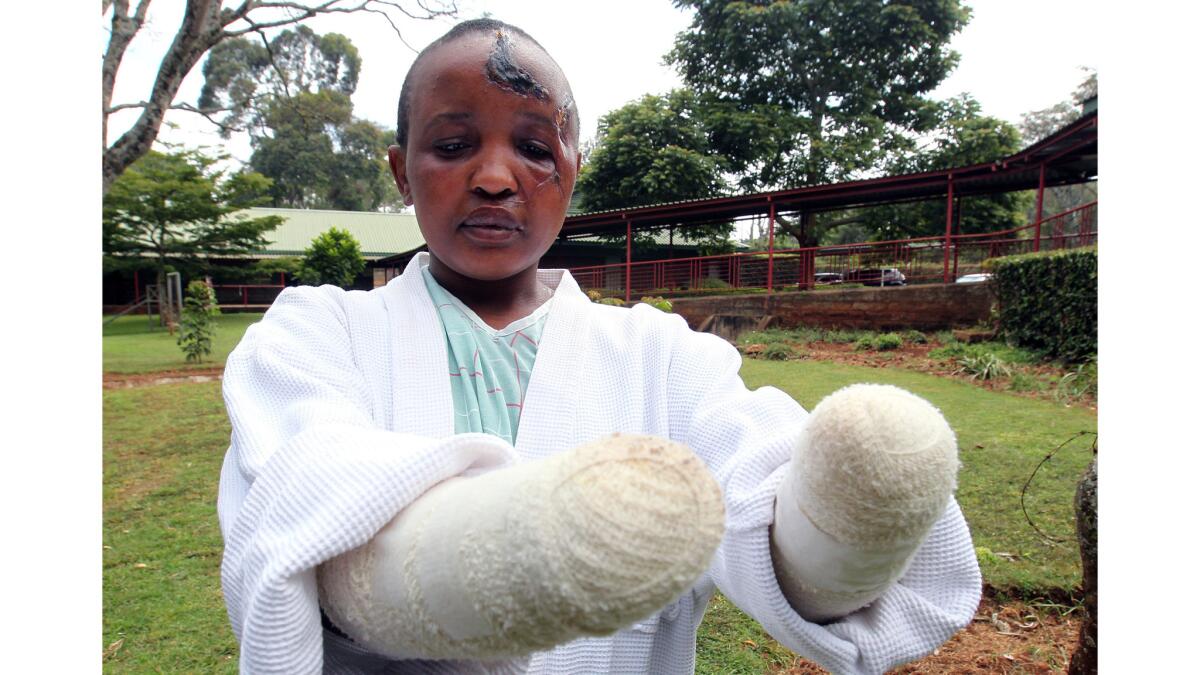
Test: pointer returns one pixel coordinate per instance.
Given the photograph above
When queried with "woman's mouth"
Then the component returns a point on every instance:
(490, 226)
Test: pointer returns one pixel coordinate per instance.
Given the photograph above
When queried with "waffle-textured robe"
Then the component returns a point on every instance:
(341, 414)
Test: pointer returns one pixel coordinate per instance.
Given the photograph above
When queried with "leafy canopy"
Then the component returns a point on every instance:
(804, 92)
(333, 257)
(963, 136)
(294, 98)
(177, 210)
(650, 151)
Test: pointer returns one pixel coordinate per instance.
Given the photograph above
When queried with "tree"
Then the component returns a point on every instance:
(320, 156)
(650, 151)
(205, 25)
(333, 257)
(293, 96)
(177, 211)
(805, 92)
(197, 326)
(963, 137)
(1038, 124)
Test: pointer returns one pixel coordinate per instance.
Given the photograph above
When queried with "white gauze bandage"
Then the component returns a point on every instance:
(527, 557)
(873, 470)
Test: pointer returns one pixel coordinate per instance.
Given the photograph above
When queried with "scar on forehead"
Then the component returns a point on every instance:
(503, 71)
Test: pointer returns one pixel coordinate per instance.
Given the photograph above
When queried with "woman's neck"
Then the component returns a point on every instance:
(498, 302)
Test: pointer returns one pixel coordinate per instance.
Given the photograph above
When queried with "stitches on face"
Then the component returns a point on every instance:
(504, 72)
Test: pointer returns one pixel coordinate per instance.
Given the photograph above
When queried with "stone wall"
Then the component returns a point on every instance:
(924, 307)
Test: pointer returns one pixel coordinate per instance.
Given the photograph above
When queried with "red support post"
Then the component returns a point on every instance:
(949, 224)
(628, 257)
(137, 289)
(245, 300)
(1037, 219)
(771, 250)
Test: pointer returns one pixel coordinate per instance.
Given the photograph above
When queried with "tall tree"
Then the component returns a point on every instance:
(177, 211)
(650, 151)
(205, 25)
(963, 137)
(803, 92)
(293, 96)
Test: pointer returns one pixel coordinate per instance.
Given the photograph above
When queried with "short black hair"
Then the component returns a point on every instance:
(500, 68)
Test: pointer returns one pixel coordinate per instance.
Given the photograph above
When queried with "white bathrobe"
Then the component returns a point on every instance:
(341, 412)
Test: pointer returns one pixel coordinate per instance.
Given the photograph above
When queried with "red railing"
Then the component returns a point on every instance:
(247, 295)
(921, 260)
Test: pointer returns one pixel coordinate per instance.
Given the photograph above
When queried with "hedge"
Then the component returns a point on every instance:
(1047, 301)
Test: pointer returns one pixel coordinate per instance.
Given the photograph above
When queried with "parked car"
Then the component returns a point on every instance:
(828, 277)
(973, 278)
(876, 276)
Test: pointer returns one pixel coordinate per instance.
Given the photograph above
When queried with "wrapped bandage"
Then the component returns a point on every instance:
(527, 557)
(873, 470)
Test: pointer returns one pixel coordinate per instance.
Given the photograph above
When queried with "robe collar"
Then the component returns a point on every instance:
(421, 399)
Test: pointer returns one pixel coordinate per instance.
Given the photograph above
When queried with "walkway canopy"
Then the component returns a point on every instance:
(1067, 156)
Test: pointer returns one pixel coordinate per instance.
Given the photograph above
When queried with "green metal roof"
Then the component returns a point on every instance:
(378, 234)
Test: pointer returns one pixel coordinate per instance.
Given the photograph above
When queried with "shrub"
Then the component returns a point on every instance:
(714, 283)
(658, 302)
(915, 336)
(616, 302)
(196, 326)
(887, 341)
(1047, 301)
(984, 367)
(779, 351)
(1077, 383)
(333, 257)
(864, 343)
(594, 295)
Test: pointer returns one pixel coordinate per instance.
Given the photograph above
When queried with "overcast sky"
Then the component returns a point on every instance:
(1017, 56)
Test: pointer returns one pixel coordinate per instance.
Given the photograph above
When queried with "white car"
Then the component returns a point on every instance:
(973, 278)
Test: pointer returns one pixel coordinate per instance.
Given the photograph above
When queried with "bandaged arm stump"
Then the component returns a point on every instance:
(873, 470)
(500, 565)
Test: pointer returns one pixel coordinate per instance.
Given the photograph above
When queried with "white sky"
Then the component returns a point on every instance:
(1017, 56)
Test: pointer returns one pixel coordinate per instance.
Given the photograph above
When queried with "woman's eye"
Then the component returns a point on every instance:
(450, 147)
(536, 151)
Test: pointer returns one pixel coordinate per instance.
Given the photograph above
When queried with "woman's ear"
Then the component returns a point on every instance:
(396, 160)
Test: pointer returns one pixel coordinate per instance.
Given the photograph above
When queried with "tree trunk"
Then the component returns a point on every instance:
(1083, 661)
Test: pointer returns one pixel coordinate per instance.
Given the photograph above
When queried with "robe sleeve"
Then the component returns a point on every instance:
(746, 438)
(310, 473)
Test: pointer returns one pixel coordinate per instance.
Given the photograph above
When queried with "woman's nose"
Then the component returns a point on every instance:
(493, 176)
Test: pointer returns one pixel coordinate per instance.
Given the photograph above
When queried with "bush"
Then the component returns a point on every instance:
(714, 283)
(887, 341)
(984, 367)
(864, 343)
(1078, 383)
(1047, 301)
(333, 257)
(916, 337)
(196, 327)
(616, 302)
(594, 295)
(658, 302)
(778, 351)
(843, 336)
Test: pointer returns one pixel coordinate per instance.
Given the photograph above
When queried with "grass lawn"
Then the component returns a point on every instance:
(132, 345)
(163, 447)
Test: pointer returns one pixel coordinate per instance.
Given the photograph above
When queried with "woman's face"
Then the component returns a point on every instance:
(488, 169)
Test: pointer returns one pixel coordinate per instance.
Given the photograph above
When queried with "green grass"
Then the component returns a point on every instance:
(163, 447)
(1001, 437)
(132, 345)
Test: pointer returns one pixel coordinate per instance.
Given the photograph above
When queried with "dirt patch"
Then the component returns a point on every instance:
(128, 380)
(1004, 638)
